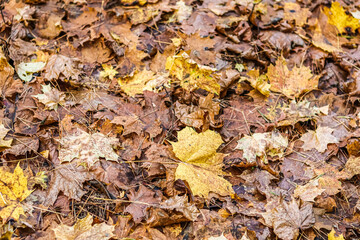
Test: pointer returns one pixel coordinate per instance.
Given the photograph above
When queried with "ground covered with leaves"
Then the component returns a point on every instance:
(162, 119)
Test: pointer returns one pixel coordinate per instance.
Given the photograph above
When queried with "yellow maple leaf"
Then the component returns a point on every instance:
(83, 230)
(13, 190)
(342, 21)
(201, 164)
(291, 83)
(141, 81)
(192, 75)
(4, 143)
(331, 236)
(109, 71)
(259, 82)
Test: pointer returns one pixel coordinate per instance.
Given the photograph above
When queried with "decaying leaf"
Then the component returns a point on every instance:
(338, 17)
(309, 191)
(84, 230)
(293, 11)
(25, 70)
(352, 166)
(261, 145)
(60, 65)
(87, 148)
(201, 164)
(292, 83)
(181, 204)
(4, 144)
(51, 97)
(288, 217)
(13, 190)
(192, 75)
(318, 139)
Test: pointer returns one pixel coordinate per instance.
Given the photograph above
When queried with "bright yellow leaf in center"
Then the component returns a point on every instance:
(201, 164)
(192, 75)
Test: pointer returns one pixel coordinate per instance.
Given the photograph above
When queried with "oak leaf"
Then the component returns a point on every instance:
(51, 97)
(292, 83)
(338, 17)
(13, 190)
(201, 164)
(87, 148)
(262, 144)
(84, 230)
(192, 75)
(318, 139)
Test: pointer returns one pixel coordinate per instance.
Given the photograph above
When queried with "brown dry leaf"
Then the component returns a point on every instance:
(181, 204)
(352, 166)
(51, 97)
(286, 218)
(67, 178)
(60, 65)
(309, 191)
(6, 73)
(292, 83)
(84, 230)
(13, 190)
(50, 26)
(293, 11)
(4, 144)
(96, 52)
(141, 200)
(87, 148)
(201, 164)
(318, 139)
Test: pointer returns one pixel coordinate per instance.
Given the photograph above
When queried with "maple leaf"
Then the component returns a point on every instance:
(181, 204)
(309, 191)
(192, 75)
(13, 190)
(286, 218)
(141, 81)
(331, 236)
(87, 148)
(291, 83)
(26, 70)
(4, 143)
(201, 164)
(338, 17)
(318, 139)
(352, 166)
(109, 71)
(60, 65)
(51, 97)
(84, 230)
(259, 82)
(261, 144)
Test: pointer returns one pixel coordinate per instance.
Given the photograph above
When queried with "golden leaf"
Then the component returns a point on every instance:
(259, 82)
(192, 75)
(83, 230)
(331, 236)
(338, 17)
(109, 72)
(291, 83)
(201, 164)
(13, 190)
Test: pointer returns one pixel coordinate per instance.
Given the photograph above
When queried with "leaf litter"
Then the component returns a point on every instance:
(171, 120)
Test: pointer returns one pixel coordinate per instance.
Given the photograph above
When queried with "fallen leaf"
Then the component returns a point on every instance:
(87, 148)
(13, 190)
(262, 144)
(338, 17)
(201, 164)
(259, 82)
(192, 75)
(286, 218)
(318, 139)
(25, 70)
(6, 73)
(4, 144)
(309, 191)
(84, 230)
(293, 11)
(352, 166)
(51, 97)
(292, 83)
(183, 11)
(60, 65)
(109, 72)
(331, 236)
(181, 204)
